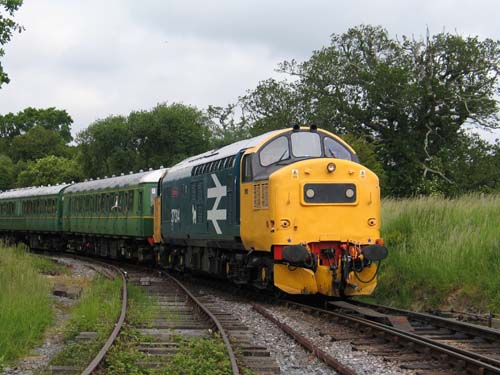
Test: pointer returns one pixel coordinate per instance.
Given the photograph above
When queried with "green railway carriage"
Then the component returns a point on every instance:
(112, 216)
(32, 210)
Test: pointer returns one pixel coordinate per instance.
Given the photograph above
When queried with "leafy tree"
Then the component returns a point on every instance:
(49, 170)
(226, 128)
(7, 172)
(168, 133)
(104, 147)
(7, 28)
(409, 98)
(56, 120)
(162, 136)
(38, 142)
(474, 165)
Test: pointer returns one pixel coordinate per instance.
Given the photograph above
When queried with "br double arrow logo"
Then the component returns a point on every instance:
(215, 213)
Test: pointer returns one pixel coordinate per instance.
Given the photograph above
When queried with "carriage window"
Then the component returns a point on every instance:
(306, 144)
(139, 207)
(274, 152)
(131, 200)
(333, 149)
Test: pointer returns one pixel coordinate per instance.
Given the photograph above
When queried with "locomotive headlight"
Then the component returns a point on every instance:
(349, 193)
(310, 193)
(331, 167)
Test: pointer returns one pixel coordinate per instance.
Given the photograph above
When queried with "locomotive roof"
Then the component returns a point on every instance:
(33, 191)
(118, 181)
(184, 167)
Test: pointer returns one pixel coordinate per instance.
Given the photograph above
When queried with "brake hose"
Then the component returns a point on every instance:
(372, 278)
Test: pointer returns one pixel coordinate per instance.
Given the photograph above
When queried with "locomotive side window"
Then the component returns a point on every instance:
(333, 149)
(274, 152)
(247, 174)
(306, 144)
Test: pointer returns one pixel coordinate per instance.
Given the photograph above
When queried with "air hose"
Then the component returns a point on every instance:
(372, 278)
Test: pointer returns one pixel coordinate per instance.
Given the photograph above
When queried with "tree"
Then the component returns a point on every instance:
(226, 128)
(56, 120)
(49, 170)
(7, 28)
(475, 166)
(409, 98)
(145, 139)
(104, 147)
(7, 172)
(38, 142)
(168, 134)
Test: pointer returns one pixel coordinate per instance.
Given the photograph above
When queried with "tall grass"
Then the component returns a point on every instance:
(442, 252)
(25, 303)
(96, 311)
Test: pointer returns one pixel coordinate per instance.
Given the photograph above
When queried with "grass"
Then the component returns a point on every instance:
(96, 311)
(195, 356)
(124, 356)
(199, 356)
(442, 253)
(25, 302)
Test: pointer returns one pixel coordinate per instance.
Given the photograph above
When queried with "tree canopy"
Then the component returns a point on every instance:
(410, 98)
(49, 170)
(30, 136)
(144, 139)
(56, 120)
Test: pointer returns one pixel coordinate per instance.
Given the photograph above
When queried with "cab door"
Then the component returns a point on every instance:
(256, 225)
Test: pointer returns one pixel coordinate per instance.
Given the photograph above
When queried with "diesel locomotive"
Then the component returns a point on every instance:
(291, 209)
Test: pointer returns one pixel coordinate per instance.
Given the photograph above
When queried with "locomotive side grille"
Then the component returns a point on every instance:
(265, 195)
(261, 195)
(256, 196)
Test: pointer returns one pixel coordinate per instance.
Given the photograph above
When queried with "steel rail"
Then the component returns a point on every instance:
(213, 318)
(484, 364)
(118, 325)
(306, 343)
(477, 329)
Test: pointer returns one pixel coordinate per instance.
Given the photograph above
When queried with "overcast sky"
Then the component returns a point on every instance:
(95, 58)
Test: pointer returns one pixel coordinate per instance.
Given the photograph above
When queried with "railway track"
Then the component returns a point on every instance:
(194, 314)
(420, 342)
(118, 326)
(109, 271)
(180, 314)
(423, 343)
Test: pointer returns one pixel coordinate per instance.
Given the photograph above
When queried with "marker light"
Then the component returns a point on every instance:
(349, 193)
(310, 193)
(331, 167)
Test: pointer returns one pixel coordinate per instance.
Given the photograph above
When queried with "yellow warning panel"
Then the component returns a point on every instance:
(294, 280)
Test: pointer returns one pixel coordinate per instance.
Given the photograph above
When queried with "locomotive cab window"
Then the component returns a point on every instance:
(275, 151)
(334, 149)
(306, 145)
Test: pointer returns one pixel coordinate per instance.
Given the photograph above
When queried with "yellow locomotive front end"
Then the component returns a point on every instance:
(307, 201)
